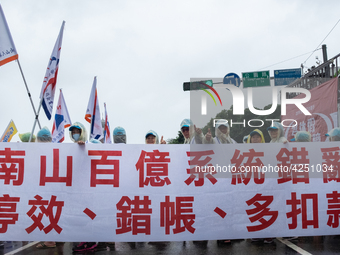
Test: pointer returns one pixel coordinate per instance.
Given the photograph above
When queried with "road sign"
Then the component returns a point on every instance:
(232, 79)
(256, 79)
(286, 76)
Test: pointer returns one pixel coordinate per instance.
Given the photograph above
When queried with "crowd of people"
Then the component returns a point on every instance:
(192, 135)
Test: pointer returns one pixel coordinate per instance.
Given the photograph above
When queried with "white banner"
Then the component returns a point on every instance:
(118, 192)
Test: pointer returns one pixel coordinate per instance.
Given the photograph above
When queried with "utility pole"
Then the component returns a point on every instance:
(325, 59)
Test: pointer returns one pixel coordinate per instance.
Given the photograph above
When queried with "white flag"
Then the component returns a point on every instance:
(93, 114)
(50, 79)
(8, 52)
(62, 120)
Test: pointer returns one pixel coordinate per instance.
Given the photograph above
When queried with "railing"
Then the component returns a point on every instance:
(317, 76)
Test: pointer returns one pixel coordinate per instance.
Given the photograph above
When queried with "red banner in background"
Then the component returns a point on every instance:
(322, 106)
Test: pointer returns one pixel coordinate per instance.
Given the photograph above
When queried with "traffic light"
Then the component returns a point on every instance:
(197, 85)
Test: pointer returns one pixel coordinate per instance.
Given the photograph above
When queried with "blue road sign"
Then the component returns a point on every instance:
(232, 78)
(286, 76)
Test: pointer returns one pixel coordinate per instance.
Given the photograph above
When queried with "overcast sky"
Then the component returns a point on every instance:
(143, 51)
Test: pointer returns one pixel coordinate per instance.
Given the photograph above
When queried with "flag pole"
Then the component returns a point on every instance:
(36, 120)
(28, 92)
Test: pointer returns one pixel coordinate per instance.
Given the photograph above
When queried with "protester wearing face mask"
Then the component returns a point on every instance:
(78, 133)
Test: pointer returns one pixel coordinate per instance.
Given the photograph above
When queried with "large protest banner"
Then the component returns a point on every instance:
(102, 192)
(323, 106)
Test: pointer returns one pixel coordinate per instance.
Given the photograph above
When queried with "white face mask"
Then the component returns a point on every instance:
(76, 136)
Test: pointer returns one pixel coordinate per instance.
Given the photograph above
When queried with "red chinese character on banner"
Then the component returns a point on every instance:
(294, 165)
(156, 167)
(8, 214)
(294, 202)
(331, 157)
(243, 173)
(333, 209)
(174, 214)
(55, 177)
(198, 163)
(12, 168)
(135, 215)
(261, 211)
(49, 211)
(111, 165)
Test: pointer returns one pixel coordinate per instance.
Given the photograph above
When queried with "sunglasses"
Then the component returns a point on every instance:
(185, 129)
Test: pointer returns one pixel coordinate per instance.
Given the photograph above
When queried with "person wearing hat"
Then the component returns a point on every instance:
(334, 134)
(245, 138)
(276, 133)
(222, 136)
(44, 135)
(119, 135)
(256, 136)
(151, 137)
(192, 135)
(78, 133)
(302, 136)
(25, 137)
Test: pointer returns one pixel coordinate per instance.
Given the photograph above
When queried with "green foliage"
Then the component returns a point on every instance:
(178, 140)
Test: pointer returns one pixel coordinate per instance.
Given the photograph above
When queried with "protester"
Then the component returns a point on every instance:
(151, 137)
(119, 135)
(302, 136)
(78, 133)
(334, 134)
(26, 137)
(276, 133)
(222, 136)
(256, 136)
(44, 136)
(86, 246)
(192, 135)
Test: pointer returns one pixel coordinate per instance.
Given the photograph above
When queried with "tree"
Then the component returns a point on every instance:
(178, 140)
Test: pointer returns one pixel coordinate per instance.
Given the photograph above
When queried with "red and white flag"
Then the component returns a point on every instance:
(8, 52)
(62, 120)
(93, 114)
(107, 134)
(50, 79)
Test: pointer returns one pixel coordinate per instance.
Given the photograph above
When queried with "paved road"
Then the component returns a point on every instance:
(303, 245)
